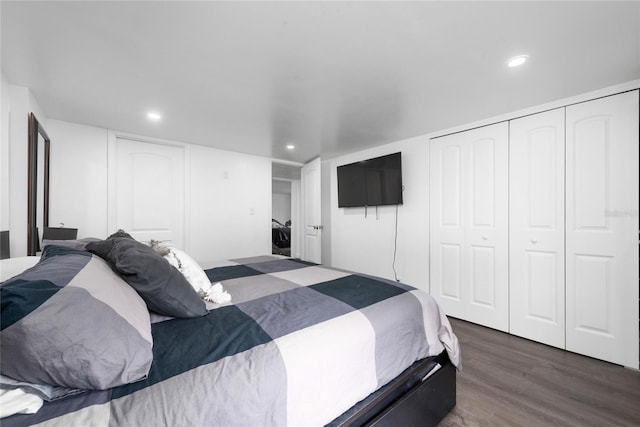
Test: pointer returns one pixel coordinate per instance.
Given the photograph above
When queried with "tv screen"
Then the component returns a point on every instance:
(373, 182)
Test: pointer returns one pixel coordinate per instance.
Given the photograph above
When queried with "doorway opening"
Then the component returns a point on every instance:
(285, 209)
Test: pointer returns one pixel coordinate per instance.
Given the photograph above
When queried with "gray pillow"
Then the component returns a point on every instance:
(70, 321)
(163, 288)
(73, 244)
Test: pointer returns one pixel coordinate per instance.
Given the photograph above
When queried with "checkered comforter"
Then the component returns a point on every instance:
(299, 345)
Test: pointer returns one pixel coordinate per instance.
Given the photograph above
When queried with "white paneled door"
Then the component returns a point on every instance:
(469, 225)
(311, 211)
(602, 228)
(150, 190)
(536, 235)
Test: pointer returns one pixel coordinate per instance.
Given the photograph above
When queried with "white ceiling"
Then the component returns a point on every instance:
(329, 77)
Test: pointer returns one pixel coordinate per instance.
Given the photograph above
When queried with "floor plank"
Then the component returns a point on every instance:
(511, 381)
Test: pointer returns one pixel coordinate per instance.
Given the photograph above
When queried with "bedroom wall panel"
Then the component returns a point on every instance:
(4, 153)
(281, 206)
(366, 244)
(78, 178)
(230, 204)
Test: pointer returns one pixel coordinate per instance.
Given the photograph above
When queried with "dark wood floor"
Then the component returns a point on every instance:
(511, 381)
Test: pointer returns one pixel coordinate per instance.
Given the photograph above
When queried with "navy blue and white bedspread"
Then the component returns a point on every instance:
(299, 345)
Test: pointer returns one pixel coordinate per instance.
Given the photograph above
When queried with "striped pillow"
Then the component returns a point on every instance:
(71, 321)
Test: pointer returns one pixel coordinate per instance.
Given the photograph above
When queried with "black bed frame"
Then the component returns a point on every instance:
(412, 399)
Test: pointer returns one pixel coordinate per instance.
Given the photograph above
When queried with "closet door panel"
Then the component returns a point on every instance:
(482, 190)
(542, 286)
(602, 227)
(536, 236)
(483, 280)
(591, 308)
(486, 225)
(469, 224)
(451, 227)
(451, 181)
(451, 268)
(447, 233)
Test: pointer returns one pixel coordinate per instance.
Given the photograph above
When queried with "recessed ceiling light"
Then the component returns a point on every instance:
(153, 116)
(290, 146)
(517, 60)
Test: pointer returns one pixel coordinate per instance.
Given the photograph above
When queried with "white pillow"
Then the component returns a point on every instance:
(188, 267)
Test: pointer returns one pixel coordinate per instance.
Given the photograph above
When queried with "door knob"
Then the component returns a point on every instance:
(534, 241)
(485, 237)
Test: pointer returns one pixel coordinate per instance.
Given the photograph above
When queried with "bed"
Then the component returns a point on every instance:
(298, 344)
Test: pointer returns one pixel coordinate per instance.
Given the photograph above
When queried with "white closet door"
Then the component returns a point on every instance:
(446, 228)
(536, 230)
(602, 228)
(150, 191)
(469, 225)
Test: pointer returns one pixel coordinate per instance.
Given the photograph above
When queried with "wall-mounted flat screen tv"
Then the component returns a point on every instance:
(372, 182)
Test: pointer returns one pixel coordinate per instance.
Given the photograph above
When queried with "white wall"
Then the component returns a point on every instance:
(281, 207)
(78, 178)
(4, 143)
(230, 204)
(229, 196)
(4, 153)
(367, 244)
(17, 102)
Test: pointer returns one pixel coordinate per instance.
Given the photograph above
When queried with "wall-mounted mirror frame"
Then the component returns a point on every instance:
(38, 178)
